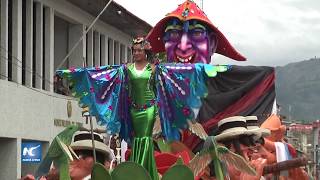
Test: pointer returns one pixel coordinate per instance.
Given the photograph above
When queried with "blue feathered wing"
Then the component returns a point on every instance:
(105, 91)
(180, 88)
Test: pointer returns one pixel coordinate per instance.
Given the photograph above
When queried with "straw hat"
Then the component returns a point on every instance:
(253, 127)
(82, 141)
(231, 127)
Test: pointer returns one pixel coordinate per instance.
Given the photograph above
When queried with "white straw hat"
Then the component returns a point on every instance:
(253, 127)
(82, 141)
(231, 127)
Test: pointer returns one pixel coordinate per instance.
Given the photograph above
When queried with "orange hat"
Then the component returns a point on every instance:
(273, 123)
(188, 11)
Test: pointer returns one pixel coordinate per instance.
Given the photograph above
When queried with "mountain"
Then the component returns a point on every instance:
(298, 90)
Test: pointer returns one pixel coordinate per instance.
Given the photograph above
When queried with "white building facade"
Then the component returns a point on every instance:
(36, 35)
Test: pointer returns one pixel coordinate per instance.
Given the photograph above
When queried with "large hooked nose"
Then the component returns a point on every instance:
(185, 43)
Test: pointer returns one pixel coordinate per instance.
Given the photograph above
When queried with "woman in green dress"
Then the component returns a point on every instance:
(143, 109)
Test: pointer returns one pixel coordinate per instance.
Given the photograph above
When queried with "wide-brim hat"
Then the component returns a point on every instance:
(188, 11)
(86, 144)
(232, 127)
(253, 127)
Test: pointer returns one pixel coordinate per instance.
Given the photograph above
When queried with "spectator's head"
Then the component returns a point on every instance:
(241, 135)
(57, 78)
(82, 145)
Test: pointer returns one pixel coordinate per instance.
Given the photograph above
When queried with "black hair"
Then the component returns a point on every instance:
(150, 56)
(246, 140)
(260, 141)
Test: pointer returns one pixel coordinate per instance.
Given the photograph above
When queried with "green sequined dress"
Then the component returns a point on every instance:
(143, 113)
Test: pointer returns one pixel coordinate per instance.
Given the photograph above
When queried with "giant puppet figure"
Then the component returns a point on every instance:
(188, 36)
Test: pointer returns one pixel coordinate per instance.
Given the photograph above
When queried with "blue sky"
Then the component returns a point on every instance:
(273, 32)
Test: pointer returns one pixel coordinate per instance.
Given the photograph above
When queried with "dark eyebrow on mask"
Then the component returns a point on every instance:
(173, 27)
(197, 26)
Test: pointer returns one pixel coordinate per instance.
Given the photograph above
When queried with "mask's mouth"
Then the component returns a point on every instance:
(185, 59)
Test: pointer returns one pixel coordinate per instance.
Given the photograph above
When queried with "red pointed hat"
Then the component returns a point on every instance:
(187, 11)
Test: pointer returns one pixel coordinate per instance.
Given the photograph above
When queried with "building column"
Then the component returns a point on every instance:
(49, 48)
(4, 40)
(18, 156)
(117, 52)
(104, 50)
(29, 43)
(111, 52)
(84, 46)
(96, 48)
(77, 58)
(17, 41)
(125, 54)
(10, 163)
(90, 48)
(316, 131)
(39, 45)
(122, 54)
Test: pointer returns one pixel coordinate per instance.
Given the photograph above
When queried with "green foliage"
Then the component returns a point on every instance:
(178, 172)
(100, 173)
(163, 146)
(130, 170)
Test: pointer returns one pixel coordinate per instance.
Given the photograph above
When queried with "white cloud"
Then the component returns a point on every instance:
(273, 32)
